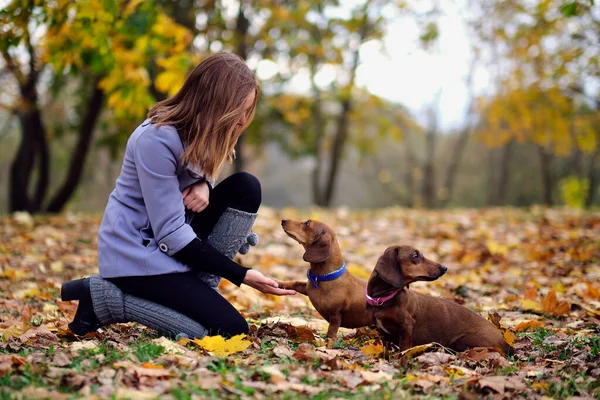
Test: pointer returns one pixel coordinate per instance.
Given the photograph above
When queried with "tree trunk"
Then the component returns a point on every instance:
(455, 159)
(461, 142)
(503, 180)
(491, 176)
(546, 171)
(20, 171)
(409, 164)
(592, 179)
(342, 125)
(77, 165)
(241, 32)
(429, 198)
(338, 148)
(319, 127)
(33, 148)
(43, 168)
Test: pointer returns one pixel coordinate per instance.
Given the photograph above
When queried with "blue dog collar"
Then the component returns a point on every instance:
(327, 277)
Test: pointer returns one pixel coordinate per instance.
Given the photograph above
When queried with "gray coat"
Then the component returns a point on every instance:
(145, 221)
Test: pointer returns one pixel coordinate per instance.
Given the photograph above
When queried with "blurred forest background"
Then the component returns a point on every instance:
(78, 76)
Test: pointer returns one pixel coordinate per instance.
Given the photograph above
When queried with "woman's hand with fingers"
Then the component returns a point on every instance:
(266, 285)
(195, 197)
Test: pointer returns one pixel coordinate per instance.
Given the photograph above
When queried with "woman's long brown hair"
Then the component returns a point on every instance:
(207, 108)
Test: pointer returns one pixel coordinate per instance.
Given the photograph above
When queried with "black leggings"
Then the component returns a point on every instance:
(184, 292)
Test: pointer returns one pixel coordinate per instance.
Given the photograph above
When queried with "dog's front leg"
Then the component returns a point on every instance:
(335, 321)
(405, 336)
(298, 286)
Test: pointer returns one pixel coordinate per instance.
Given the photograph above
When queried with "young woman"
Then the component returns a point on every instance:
(167, 236)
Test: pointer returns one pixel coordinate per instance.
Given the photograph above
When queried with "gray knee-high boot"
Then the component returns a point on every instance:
(111, 305)
(232, 233)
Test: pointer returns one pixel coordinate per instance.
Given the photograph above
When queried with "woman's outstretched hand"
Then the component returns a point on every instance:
(195, 197)
(266, 285)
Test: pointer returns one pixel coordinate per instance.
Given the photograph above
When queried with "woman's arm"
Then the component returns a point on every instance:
(156, 164)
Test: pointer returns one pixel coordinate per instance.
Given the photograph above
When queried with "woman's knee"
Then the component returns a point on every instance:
(248, 188)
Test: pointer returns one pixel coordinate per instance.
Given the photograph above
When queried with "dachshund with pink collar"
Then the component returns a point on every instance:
(408, 318)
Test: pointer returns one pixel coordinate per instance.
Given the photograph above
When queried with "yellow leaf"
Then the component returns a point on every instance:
(509, 337)
(12, 331)
(221, 347)
(530, 305)
(529, 325)
(413, 351)
(496, 248)
(152, 366)
(372, 349)
(57, 266)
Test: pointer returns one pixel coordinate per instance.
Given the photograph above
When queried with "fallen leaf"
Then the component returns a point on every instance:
(436, 358)
(372, 349)
(168, 346)
(305, 352)
(378, 376)
(57, 266)
(218, 346)
(413, 351)
(304, 334)
(283, 352)
(12, 331)
(529, 325)
(275, 375)
(61, 359)
(499, 384)
(551, 305)
(531, 305)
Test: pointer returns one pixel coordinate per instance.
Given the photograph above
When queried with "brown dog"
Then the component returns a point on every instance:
(341, 301)
(409, 318)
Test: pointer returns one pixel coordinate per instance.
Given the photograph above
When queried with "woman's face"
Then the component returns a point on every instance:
(247, 104)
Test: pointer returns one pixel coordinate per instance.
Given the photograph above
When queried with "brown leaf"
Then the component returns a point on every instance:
(437, 358)
(499, 384)
(61, 359)
(530, 294)
(305, 352)
(283, 352)
(304, 334)
(38, 332)
(551, 305)
(379, 376)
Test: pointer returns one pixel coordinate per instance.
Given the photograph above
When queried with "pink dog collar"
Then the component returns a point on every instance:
(379, 301)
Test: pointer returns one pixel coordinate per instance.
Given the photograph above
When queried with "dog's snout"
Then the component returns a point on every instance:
(283, 221)
(443, 268)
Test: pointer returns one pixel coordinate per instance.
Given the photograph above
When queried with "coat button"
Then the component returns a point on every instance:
(163, 247)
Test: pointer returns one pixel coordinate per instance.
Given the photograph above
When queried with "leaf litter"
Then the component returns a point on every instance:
(533, 273)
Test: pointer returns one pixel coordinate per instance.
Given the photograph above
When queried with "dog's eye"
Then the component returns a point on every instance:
(307, 224)
(415, 256)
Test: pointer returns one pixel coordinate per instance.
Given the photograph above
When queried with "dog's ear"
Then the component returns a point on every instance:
(389, 269)
(319, 251)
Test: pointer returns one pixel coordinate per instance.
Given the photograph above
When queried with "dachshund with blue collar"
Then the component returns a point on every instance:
(334, 292)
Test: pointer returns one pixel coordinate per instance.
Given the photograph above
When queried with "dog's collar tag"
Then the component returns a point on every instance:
(379, 301)
(327, 277)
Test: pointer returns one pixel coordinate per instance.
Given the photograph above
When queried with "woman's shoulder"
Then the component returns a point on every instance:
(148, 134)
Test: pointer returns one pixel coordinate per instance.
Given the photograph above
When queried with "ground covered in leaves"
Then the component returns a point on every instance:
(537, 271)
